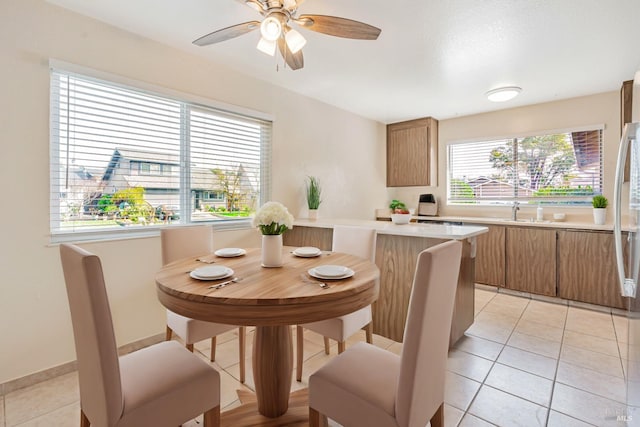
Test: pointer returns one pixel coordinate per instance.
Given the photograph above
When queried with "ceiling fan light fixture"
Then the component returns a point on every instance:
(271, 28)
(267, 46)
(253, 5)
(503, 94)
(290, 4)
(295, 40)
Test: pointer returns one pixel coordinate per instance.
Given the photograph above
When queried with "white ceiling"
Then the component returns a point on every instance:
(434, 57)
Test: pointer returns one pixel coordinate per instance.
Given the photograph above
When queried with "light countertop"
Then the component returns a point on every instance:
(520, 222)
(433, 231)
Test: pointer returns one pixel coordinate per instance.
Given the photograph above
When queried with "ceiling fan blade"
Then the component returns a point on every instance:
(339, 27)
(295, 61)
(227, 33)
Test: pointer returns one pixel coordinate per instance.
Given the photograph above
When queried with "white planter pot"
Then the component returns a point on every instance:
(272, 250)
(599, 216)
(400, 218)
(313, 214)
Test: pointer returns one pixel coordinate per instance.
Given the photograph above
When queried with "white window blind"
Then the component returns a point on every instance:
(124, 159)
(551, 169)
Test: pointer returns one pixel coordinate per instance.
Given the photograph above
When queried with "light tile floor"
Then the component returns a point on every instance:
(524, 362)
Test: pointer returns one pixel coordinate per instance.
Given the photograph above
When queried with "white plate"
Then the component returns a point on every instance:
(307, 252)
(331, 272)
(230, 252)
(212, 272)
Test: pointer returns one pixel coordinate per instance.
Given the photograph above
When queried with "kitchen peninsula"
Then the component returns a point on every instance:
(397, 248)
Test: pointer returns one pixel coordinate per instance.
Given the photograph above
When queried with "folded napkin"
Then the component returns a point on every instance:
(209, 259)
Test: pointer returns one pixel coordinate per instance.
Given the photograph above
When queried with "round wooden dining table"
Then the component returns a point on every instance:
(272, 299)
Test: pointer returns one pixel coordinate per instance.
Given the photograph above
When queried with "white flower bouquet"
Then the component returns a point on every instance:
(273, 218)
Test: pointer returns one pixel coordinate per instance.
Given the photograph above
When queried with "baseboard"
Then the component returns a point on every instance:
(65, 368)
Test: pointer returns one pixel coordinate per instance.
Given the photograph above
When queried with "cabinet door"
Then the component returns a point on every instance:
(490, 256)
(531, 260)
(587, 268)
(412, 153)
(309, 236)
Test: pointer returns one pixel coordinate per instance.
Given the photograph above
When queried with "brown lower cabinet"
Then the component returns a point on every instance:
(396, 256)
(490, 256)
(531, 260)
(587, 268)
(578, 265)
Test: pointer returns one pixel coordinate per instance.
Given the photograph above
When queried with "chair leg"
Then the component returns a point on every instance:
(316, 419)
(242, 349)
(369, 331)
(190, 347)
(326, 345)
(212, 417)
(299, 351)
(213, 349)
(341, 346)
(84, 421)
(168, 333)
(437, 420)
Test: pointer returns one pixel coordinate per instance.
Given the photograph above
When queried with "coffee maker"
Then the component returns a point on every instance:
(427, 205)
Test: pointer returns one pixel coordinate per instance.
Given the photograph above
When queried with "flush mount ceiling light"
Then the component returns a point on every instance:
(502, 94)
(276, 32)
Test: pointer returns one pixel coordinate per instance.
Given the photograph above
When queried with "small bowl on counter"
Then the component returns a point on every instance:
(401, 218)
(559, 217)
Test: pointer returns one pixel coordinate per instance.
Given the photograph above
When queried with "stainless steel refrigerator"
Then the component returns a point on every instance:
(627, 237)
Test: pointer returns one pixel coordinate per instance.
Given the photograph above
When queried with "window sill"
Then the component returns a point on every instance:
(139, 233)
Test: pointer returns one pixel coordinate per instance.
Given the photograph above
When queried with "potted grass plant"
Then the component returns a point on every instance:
(600, 204)
(314, 193)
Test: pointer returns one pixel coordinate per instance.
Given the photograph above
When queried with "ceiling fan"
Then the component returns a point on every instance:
(276, 32)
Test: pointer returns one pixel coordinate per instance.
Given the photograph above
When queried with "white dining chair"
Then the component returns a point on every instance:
(184, 242)
(367, 386)
(160, 385)
(358, 241)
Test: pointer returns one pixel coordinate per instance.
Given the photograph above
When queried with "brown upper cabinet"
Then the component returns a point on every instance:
(412, 153)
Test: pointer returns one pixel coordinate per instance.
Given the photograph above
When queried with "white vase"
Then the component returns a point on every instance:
(272, 250)
(599, 216)
(313, 214)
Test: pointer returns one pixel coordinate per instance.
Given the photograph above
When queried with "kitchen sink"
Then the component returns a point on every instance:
(529, 220)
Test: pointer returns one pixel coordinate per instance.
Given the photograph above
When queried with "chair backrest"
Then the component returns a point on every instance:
(358, 241)
(426, 335)
(183, 242)
(98, 366)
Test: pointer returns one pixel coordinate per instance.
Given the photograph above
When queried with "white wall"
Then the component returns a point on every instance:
(596, 109)
(345, 151)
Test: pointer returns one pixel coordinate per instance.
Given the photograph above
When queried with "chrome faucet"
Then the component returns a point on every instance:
(514, 210)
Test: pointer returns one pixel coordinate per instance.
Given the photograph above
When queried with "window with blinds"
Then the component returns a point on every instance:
(551, 169)
(124, 159)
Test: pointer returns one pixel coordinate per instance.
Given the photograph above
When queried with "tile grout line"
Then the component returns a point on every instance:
(625, 374)
(493, 363)
(558, 358)
(466, 411)
(555, 374)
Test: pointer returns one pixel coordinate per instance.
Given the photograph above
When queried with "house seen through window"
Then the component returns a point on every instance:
(123, 158)
(550, 169)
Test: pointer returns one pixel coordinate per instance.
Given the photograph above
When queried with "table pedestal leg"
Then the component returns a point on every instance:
(272, 368)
